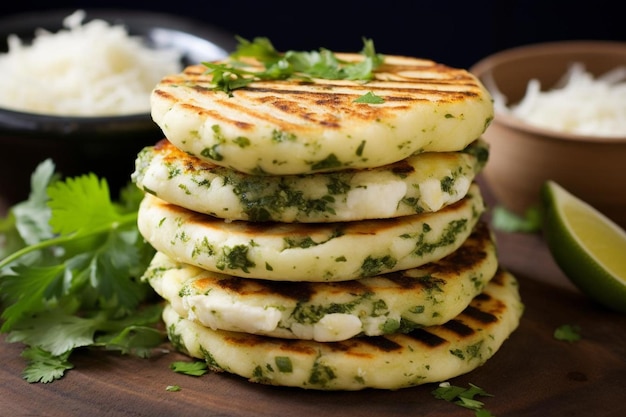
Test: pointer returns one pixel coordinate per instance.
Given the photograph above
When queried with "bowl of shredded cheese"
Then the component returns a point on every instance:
(560, 114)
(75, 87)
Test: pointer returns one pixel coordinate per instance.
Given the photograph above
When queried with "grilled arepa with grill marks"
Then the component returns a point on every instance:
(429, 354)
(307, 251)
(329, 312)
(421, 183)
(284, 127)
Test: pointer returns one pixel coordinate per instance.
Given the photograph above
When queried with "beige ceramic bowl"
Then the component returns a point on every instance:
(523, 157)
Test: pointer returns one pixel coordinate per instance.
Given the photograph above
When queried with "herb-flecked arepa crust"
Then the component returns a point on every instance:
(307, 251)
(421, 183)
(399, 360)
(285, 127)
(328, 312)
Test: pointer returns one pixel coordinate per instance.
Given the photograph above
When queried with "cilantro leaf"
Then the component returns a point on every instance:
(194, 368)
(32, 225)
(228, 80)
(25, 291)
(447, 392)
(27, 222)
(364, 69)
(109, 273)
(79, 204)
(10, 239)
(55, 331)
(370, 98)
(137, 340)
(261, 48)
(43, 366)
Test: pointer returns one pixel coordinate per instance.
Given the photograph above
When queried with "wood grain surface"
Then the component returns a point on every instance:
(533, 374)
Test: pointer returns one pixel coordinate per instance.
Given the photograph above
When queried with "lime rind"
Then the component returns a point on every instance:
(575, 256)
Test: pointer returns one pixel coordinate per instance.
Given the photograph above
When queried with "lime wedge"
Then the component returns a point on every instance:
(588, 246)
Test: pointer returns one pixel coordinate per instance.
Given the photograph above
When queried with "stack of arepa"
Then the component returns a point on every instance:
(307, 237)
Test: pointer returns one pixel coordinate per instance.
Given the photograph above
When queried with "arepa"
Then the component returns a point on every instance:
(421, 183)
(307, 251)
(294, 126)
(329, 312)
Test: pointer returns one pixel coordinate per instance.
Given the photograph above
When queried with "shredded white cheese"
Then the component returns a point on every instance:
(579, 103)
(91, 69)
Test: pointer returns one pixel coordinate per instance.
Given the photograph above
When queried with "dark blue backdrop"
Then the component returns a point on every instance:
(456, 33)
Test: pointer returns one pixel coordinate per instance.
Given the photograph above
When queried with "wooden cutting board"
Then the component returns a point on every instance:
(533, 374)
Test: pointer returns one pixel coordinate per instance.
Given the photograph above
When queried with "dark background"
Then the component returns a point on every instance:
(457, 33)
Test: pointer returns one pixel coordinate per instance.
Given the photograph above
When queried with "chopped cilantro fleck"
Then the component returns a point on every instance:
(283, 363)
(463, 397)
(370, 98)
(568, 333)
(331, 161)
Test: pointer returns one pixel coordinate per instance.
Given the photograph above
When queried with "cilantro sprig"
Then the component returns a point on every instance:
(193, 368)
(303, 65)
(464, 397)
(70, 273)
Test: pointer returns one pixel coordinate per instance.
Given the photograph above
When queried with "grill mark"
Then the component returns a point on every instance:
(381, 343)
(407, 85)
(409, 283)
(459, 328)
(323, 90)
(296, 292)
(235, 284)
(299, 291)
(467, 256)
(427, 338)
(402, 168)
(483, 297)
(499, 278)
(477, 314)
(397, 86)
(286, 345)
(214, 114)
(190, 164)
(164, 94)
(296, 111)
(292, 105)
(202, 88)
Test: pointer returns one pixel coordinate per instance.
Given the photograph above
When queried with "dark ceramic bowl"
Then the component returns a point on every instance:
(108, 145)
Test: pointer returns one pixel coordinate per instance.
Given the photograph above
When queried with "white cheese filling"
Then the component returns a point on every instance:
(218, 312)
